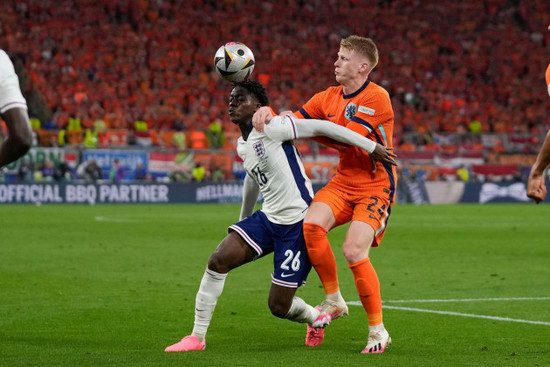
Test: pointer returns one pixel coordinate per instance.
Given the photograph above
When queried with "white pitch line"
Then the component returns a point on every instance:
(497, 318)
(115, 220)
(465, 300)
(357, 303)
(468, 315)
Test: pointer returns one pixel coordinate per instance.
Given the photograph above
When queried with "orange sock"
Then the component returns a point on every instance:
(368, 287)
(321, 256)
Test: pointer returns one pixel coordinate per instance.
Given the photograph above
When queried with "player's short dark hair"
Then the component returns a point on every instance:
(256, 88)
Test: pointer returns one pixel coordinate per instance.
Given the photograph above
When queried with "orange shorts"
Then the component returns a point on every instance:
(371, 207)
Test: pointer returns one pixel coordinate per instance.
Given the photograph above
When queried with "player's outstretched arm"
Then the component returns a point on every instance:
(19, 140)
(536, 188)
(312, 127)
(251, 191)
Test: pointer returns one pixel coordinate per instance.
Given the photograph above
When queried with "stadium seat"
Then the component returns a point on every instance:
(75, 137)
(167, 138)
(117, 137)
(198, 140)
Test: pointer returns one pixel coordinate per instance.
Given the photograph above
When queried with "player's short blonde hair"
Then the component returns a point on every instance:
(364, 46)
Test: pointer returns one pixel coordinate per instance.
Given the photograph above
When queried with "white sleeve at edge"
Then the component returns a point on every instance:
(250, 196)
(10, 93)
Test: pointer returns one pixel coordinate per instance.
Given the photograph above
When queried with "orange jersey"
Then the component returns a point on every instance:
(548, 79)
(368, 112)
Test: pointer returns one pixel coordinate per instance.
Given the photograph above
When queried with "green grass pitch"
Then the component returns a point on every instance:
(112, 285)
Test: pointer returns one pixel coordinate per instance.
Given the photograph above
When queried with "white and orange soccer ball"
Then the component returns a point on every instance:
(234, 62)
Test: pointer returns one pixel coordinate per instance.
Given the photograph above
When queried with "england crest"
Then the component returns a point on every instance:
(259, 148)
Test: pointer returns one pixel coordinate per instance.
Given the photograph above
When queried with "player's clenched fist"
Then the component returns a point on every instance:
(536, 189)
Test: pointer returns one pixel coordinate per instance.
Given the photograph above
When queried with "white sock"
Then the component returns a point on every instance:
(377, 328)
(336, 297)
(209, 291)
(301, 311)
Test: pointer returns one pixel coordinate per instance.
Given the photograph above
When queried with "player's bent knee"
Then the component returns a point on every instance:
(354, 252)
(279, 307)
(231, 253)
(217, 263)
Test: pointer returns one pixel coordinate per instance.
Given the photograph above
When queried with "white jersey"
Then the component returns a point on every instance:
(274, 163)
(10, 92)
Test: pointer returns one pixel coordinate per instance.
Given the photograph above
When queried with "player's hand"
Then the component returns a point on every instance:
(288, 113)
(261, 117)
(536, 188)
(382, 154)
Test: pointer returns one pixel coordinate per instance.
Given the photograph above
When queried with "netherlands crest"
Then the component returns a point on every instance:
(259, 148)
(351, 110)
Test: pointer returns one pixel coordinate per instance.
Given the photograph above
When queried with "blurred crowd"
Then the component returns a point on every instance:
(471, 65)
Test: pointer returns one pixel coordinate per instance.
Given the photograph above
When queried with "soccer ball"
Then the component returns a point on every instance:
(234, 62)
